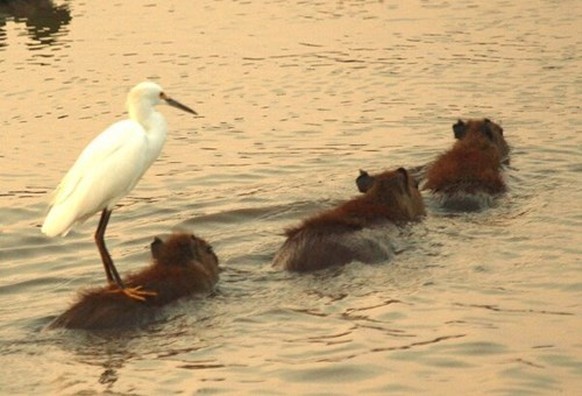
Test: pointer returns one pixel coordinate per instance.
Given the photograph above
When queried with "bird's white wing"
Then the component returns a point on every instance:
(107, 169)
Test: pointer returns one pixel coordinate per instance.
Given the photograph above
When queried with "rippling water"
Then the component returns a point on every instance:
(295, 97)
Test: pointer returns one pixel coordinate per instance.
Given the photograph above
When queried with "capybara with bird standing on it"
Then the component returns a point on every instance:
(183, 265)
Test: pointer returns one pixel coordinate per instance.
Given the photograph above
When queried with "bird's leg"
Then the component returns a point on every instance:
(110, 270)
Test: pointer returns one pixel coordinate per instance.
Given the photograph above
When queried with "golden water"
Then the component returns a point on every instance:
(294, 98)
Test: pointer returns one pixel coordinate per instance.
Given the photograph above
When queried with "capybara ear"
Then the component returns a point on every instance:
(364, 181)
(156, 247)
(190, 249)
(459, 129)
(403, 178)
(486, 129)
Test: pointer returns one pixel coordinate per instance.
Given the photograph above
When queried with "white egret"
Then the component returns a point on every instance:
(109, 168)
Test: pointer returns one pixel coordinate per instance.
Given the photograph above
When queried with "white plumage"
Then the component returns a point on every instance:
(108, 168)
(112, 164)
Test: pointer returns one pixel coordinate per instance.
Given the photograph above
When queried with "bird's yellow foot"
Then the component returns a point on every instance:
(135, 292)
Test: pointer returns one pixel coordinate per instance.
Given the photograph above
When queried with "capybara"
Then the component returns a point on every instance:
(468, 176)
(354, 230)
(182, 265)
(493, 131)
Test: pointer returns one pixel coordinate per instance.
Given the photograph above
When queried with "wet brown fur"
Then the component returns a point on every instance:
(394, 198)
(473, 164)
(183, 265)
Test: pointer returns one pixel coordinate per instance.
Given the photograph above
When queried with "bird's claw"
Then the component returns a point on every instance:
(135, 293)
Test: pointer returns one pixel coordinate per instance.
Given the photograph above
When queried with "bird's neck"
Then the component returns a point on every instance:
(154, 126)
(146, 116)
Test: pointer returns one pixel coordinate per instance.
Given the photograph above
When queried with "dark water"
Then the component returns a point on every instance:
(295, 97)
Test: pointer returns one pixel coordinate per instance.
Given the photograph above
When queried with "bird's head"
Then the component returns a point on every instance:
(151, 94)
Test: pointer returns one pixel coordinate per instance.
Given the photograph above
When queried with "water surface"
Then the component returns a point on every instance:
(294, 98)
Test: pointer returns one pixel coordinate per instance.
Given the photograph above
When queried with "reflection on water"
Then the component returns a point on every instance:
(42, 18)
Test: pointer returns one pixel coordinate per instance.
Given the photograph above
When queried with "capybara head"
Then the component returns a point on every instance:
(482, 128)
(399, 190)
(183, 250)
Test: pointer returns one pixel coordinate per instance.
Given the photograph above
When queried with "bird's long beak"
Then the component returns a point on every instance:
(178, 105)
